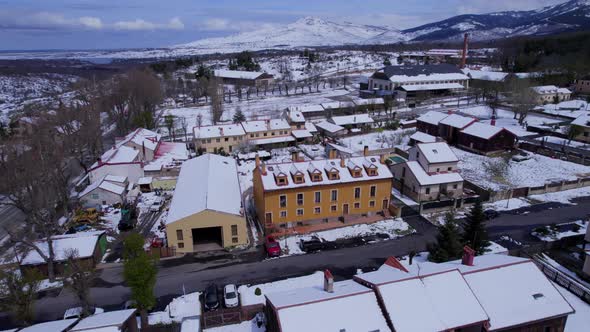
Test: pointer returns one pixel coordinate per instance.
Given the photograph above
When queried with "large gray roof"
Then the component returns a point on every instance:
(415, 70)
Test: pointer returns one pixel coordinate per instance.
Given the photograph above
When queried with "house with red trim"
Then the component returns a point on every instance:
(143, 140)
(109, 190)
(119, 161)
(449, 127)
(486, 139)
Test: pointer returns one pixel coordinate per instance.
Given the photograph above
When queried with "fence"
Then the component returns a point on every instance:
(563, 280)
(221, 317)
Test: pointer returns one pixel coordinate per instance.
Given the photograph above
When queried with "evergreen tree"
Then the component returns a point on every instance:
(140, 275)
(474, 230)
(386, 62)
(239, 116)
(448, 244)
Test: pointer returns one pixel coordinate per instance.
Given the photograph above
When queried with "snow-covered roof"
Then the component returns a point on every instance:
(329, 127)
(208, 182)
(116, 178)
(142, 137)
(238, 74)
(383, 172)
(429, 87)
(370, 101)
(482, 130)
(341, 148)
(145, 180)
(549, 89)
(423, 137)
(352, 119)
(118, 155)
(307, 108)
(516, 294)
(106, 319)
(104, 185)
(432, 117)
(265, 125)
(337, 105)
(272, 140)
(295, 116)
(168, 154)
(457, 121)
(301, 133)
(446, 298)
(438, 152)
(218, 131)
(493, 76)
(313, 309)
(309, 126)
(426, 179)
(582, 120)
(83, 242)
(423, 73)
(53, 326)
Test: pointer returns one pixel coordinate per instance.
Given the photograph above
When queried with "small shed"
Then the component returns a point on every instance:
(112, 321)
(486, 139)
(145, 184)
(420, 137)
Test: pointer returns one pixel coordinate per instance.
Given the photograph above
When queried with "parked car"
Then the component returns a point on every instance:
(230, 296)
(313, 244)
(211, 298)
(272, 247)
(491, 214)
(77, 312)
(521, 156)
(157, 205)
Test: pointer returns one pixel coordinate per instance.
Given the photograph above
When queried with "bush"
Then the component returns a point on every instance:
(542, 231)
(576, 228)
(257, 291)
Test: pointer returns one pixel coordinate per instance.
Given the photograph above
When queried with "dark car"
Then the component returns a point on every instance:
(272, 246)
(211, 297)
(491, 214)
(311, 245)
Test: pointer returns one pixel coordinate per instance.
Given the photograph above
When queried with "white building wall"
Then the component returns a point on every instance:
(100, 196)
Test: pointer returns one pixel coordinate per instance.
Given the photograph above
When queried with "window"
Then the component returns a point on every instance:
(235, 138)
(438, 170)
(334, 208)
(179, 236)
(427, 191)
(218, 140)
(94, 196)
(334, 195)
(299, 212)
(317, 210)
(234, 240)
(265, 134)
(373, 191)
(417, 154)
(403, 172)
(371, 203)
(299, 179)
(283, 201)
(357, 205)
(227, 139)
(455, 186)
(208, 140)
(357, 193)
(283, 214)
(450, 169)
(300, 199)
(251, 135)
(318, 197)
(180, 245)
(272, 134)
(234, 230)
(317, 177)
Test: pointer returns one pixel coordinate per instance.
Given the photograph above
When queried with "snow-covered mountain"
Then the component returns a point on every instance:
(308, 31)
(311, 31)
(568, 16)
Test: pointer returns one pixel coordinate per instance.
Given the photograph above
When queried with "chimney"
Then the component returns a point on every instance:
(263, 169)
(394, 263)
(294, 156)
(468, 255)
(342, 162)
(328, 281)
(464, 56)
(450, 112)
(257, 161)
(366, 151)
(383, 159)
(493, 122)
(332, 154)
(221, 131)
(268, 124)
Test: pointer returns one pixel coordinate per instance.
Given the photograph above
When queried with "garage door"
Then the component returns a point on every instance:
(208, 238)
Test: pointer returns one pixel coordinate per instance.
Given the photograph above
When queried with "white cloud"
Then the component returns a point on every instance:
(91, 22)
(141, 24)
(221, 24)
(487, 6)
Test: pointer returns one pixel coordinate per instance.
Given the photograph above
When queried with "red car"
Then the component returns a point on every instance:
(273, 248)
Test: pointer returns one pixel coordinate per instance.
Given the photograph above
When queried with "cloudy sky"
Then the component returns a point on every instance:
(101, 24)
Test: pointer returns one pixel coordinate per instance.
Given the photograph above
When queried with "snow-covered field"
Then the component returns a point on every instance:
(394, 228)
(509, 174)
(385, 139)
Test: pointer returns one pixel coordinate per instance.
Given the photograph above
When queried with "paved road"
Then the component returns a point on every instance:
(110, 294)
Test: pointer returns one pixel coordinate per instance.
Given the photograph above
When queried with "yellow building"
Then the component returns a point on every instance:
(214, 139)
(303, 193)
(206, 212)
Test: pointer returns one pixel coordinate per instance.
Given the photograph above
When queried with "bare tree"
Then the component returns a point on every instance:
(184, 126)
(78, 278)
(216, 100)
(199, 120)
(18, 292)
